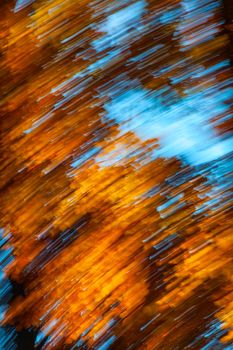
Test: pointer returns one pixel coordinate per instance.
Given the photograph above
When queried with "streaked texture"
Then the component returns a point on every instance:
(116, 187)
